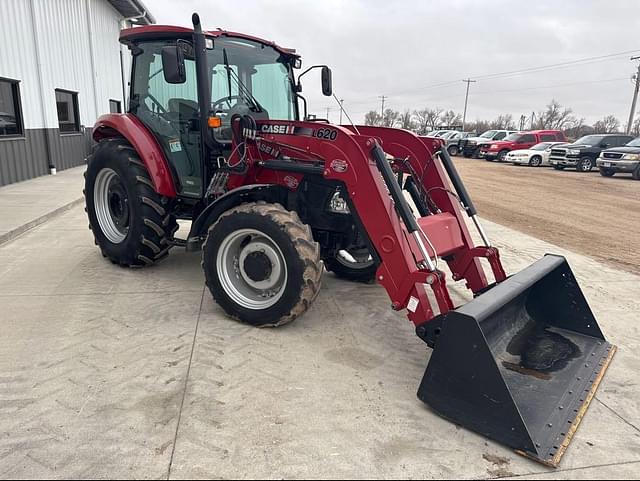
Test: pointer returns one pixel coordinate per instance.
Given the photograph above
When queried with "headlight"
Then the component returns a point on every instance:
(573, 152)
(494, 147)
(631, 156)
(337, 204)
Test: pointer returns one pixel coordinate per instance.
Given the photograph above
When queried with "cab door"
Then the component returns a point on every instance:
(170, 112)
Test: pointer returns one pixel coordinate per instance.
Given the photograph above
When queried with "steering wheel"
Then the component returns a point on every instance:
(228, 100)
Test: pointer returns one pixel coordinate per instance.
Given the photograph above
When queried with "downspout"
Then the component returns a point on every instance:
(47, 142)
(123, 79)
(92, 56)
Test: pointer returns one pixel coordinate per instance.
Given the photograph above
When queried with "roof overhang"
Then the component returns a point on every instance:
(133, 9)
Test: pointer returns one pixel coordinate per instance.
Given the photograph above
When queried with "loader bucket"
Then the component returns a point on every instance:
(521, 362)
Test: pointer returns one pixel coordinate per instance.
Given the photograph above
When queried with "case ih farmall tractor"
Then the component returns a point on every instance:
(214, 135)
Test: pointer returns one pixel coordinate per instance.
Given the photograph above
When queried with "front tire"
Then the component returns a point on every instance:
(604, 172)
(536, 161)
(636, 173)
(453, 150)
(262, 264)
(559, 167)
(585, 164)
(501, 155)
(131, 223)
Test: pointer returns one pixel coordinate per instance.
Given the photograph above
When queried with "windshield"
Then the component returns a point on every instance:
(488, 134)
(634, 143)
(541, 146)
(258, 73)
(589, 140)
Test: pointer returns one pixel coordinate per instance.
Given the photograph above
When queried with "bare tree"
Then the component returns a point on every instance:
(373, 118)
(555, 117)
(421, 121)
(433, 118)
(479, 126)
(635, 128)
(390, 118)
(449, 118)
(578, 129)
(503, 122)
(608, 125)
(405, 121)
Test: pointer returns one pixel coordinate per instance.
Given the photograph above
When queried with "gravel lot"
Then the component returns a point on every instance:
(586, 213)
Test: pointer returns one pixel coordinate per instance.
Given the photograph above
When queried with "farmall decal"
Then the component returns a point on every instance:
(339, 165)
(291, 182)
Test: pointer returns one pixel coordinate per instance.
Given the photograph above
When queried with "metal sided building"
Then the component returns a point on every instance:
(61, 67)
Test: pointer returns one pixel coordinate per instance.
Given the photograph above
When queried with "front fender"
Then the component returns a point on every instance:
(240, 195)
(132, 129)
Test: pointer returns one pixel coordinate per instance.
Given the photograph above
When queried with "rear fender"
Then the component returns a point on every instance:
(240, 195)
(129, 127)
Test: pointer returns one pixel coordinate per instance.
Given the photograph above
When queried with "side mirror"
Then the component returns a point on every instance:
(327, 88)
(173, 65)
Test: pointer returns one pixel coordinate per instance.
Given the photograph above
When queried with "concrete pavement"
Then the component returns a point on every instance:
(27, 204)
(111, 372)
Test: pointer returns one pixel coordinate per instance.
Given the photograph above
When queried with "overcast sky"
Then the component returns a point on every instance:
(401, 49)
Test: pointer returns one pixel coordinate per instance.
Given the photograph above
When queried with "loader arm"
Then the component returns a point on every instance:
(521, 362)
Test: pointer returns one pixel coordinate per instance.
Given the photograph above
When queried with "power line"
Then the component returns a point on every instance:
(528, 70)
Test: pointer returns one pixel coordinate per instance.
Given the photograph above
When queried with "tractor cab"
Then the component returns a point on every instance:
(242, 76)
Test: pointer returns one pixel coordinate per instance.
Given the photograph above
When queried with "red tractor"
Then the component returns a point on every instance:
(214, 135)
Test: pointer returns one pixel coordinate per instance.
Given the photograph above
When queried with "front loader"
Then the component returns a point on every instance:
(214, 135)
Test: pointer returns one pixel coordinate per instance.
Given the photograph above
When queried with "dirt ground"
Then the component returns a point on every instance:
(586, 213)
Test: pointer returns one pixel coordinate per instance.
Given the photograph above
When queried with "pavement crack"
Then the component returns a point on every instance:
(568, 470)
(618, 415)
(186, 385)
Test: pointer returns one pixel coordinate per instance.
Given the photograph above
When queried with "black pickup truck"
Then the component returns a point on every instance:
(584, 152)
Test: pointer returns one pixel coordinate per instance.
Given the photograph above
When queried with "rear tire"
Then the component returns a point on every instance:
(585, 164)
(536, 161)
(131, 223)
(262, 264)
(604, 172)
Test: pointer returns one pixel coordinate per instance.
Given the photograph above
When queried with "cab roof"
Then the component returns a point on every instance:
(151, 32)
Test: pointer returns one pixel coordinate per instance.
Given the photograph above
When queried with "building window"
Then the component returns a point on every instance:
(67, 105)
(10, 114)
(114, 107)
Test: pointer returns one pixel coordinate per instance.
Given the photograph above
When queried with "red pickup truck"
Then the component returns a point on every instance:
(497, 149)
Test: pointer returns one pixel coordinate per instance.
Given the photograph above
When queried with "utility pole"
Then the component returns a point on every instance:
(466, 100)
(383, 98)
(632, 114)
(341, 109)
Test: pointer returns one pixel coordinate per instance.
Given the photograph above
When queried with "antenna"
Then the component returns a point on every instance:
(342, 110)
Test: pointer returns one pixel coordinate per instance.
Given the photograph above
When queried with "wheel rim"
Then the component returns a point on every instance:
(111, 204)
(251, 269)
(536, 161)
(355, 258)
(586, 164)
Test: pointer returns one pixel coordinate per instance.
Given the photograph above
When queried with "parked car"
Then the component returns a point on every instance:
(535, 156)
(584, 152)
(453, 140)
(438, 133)
(471, 147)
(497, 150)
(621, 159)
